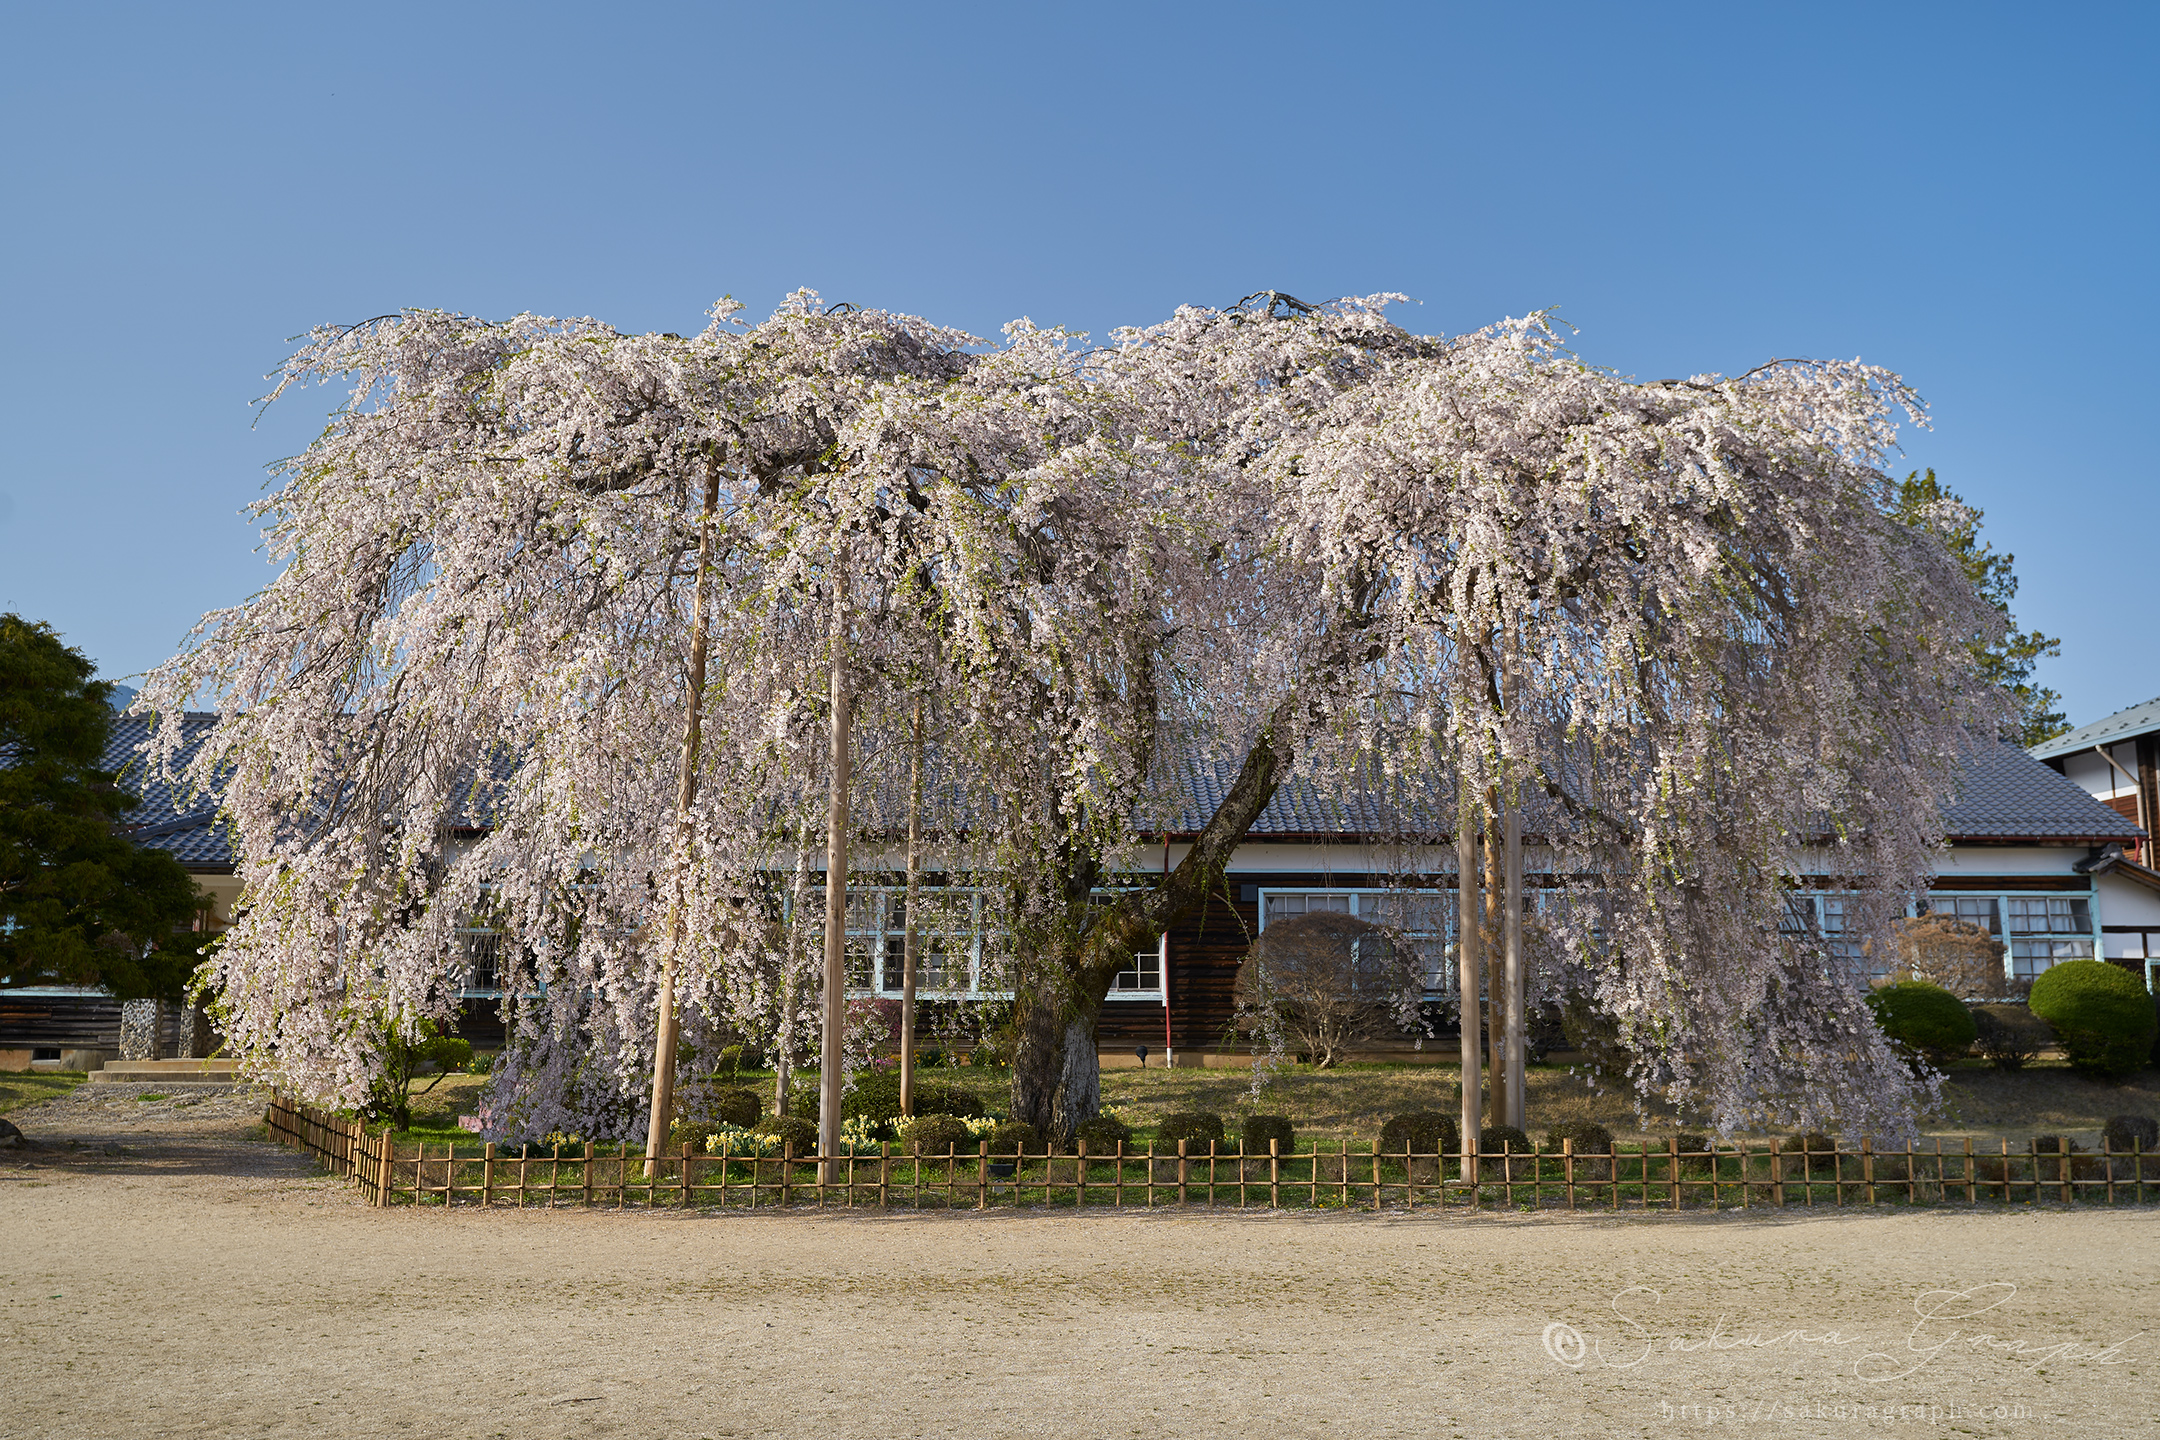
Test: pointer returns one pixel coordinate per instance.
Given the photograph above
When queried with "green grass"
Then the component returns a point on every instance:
(1352, 1102)
(28, 1087)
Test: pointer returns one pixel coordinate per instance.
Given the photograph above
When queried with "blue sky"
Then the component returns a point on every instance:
(1964, 193)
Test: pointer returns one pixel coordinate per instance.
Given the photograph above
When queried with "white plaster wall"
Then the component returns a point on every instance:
(2126, 902)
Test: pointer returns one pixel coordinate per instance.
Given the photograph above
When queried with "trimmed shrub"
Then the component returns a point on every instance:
(738, 1106)
(1590, 1137)
(2124, 1132)
(1197, 1128)
(1821, 1153)
(875, 1098)
(1421, 1132)
(792, 1130)
(1012, 1137)
(1504, 1139)
(2009, 1035)
(1925, 1022)
(1258, 1130)
(937, 1134)
(1103, 1134)
(2101, 1013)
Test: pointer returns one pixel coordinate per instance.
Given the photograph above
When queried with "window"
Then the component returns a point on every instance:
(1982, 910)
(1142, 977)
(481, 954)
(1832, 918)
(955, 949)
(1424, 918)
(2047, 930)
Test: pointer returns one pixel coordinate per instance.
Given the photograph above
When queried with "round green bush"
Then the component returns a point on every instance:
(2125, 1132)
(1197, 1128)
(875, 1097)
(738, 1106)
(2101, 1013)
(792, 1129)
(1504, 1140)
(1258, 1130)
(1102, 1134)
(2009, 1035)
(1421, 1132)
(937, 1135)
(1590, 1137)
(1925, 1022)
(1015, 1137)
(1820, 1153)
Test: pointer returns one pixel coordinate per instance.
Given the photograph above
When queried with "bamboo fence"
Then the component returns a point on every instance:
(1741, 1174)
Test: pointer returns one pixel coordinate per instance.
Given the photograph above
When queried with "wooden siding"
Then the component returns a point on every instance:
(84, 1022)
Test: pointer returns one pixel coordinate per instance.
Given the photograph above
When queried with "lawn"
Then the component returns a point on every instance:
(1352, 1102)
(27, 1087)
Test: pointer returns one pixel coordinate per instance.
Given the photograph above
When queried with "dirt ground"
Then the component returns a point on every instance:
(163, 1275)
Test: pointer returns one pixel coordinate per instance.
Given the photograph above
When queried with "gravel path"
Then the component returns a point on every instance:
(163, 1275)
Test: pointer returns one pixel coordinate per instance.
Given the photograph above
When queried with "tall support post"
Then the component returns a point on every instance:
(668, 1031)
(830, 1063)
(1494, 953)
(1467, 924)
(1511, 940)
(907, 934)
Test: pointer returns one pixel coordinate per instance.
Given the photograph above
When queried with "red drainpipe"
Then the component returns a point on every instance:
(1163, 960)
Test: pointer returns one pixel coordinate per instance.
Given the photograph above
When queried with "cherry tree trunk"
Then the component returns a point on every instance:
(1056, 1080)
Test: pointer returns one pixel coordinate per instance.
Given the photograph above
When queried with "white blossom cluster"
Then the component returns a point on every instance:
(1677, 617)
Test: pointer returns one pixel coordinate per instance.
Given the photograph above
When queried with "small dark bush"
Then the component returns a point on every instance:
(2101, 1013)
(739, 1106)
(1421, 1132)
(2049, 1145)
(2009, 1035)
(1925, 1022)
(1103, 1134)
(929, 1059)
(875, 1097)
(1012, 1137)
(2124, 1132)
(1692, 1149)
(1504, 1139)
(1258, 1130)
(1821, 1153)
(1590, 1138)
(793, 1129)
(937, 1134)
(1197, 1128)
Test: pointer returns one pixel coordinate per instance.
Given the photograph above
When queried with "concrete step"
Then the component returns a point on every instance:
(167, 1072)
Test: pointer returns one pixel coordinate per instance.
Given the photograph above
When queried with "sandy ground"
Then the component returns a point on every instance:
(161, 1275)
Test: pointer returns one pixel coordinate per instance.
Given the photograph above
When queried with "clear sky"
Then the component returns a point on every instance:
(1962, 192)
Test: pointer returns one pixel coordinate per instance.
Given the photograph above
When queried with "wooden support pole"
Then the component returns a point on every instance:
(908, 930)
(668, 1032)
(1516, 1107)
(1467, 920)
(830, 1063)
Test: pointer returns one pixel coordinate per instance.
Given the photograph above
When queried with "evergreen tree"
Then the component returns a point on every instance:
(2010, 662)
(79, 903)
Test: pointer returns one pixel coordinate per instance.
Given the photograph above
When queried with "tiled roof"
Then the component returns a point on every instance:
(2122, 725)
(2006, 794)
(2009, 794)
(164, 819)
